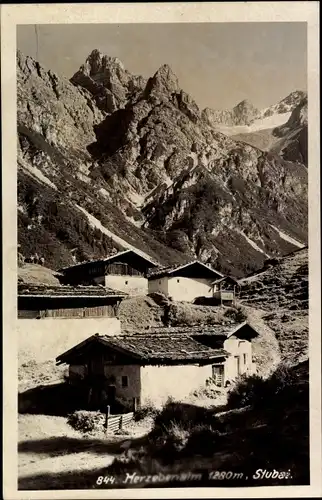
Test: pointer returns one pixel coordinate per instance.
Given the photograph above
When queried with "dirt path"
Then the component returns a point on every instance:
(72, 462)
(48, 448)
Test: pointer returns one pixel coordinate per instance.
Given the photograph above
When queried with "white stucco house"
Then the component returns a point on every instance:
(140, 369)
(125, 271)
(184, 283)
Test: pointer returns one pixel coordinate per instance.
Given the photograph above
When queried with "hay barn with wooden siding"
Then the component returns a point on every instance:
(41, 301)
(125, 271)
(49, 317)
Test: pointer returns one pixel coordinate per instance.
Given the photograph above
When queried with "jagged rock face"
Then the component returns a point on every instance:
(153, 161)
(164, 81)
(110, 84)
(154, 139)
(293, 144)
(50, 106)
(242, 114)
(232, 211)
(56, 124)
(286, 105)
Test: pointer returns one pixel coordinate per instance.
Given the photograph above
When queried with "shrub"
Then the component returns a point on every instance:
(246, 391)
(208, 391)
(135, 460)
(203, 440)
(145, 411)
(237, 314)
(185, 415)
(173, 440)
(280, 389)
(86, 421)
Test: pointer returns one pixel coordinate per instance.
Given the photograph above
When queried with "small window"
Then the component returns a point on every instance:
(125, 381)
(126, 282)
(245, 358)
(160, 282)
(178, 281)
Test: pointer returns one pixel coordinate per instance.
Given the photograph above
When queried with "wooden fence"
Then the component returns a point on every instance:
(117, 422)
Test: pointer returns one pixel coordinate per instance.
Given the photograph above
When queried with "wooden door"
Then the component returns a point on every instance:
(237, 365)
(111, 394)
(218, 374)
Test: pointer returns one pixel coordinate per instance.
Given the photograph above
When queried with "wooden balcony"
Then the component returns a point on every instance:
(224, 296)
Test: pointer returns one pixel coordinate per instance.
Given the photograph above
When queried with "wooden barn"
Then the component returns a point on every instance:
(55, 318)
(125, 271)
(186, 282)
(42, 301)
(139, 369)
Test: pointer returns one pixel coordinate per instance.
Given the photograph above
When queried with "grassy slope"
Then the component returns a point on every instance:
(50, 224)
(36, 274)
(281, 293)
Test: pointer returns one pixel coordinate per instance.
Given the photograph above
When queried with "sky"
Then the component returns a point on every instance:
(218, 64)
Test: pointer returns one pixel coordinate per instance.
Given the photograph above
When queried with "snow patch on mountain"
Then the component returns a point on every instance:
(268, 122)
(251, 242)
(98, 225)
(288, 238)
(36, 173)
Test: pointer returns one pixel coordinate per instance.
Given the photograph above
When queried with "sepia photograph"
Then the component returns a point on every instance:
(162, 279)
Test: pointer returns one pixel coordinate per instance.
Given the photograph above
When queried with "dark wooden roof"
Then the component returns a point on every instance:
(225, 278)
(150, 349)
(242, 331)
(195, 267)
(224, 331)
(128, 256)
(220, 330)
(30, 290)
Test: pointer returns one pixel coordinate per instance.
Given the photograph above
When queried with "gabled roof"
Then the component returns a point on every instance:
(225, 278)
(242, 330)
(66, 291)
(168, 271)
(223, 331)
(111, 258)
(149, 349)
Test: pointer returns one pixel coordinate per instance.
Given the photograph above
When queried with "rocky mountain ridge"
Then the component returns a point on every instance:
(109, 83)
(289, 140)
(293, 143)
(120, 161)
(285, 105)
(245, 113)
